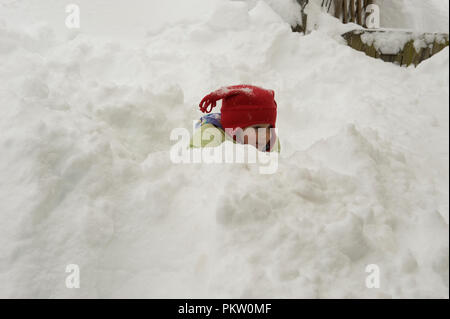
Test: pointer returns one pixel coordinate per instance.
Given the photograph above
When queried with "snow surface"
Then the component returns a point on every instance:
(413, 15)
(417, 15)
(393, 42)
(86, 177)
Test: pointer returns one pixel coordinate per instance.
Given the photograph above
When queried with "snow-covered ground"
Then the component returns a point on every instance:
(86, 177)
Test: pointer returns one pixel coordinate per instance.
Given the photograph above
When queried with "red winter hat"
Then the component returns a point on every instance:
(243, 106)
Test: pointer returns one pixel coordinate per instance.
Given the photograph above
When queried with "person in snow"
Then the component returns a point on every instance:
(248, 116)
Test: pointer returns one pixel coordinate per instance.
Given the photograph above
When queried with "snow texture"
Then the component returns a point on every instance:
(86, 176)
(391, 42)
(412, 15)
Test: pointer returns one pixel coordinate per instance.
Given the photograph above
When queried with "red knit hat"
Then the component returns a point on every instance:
(243, 106)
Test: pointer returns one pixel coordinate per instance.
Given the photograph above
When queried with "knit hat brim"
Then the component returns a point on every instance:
(244, 117)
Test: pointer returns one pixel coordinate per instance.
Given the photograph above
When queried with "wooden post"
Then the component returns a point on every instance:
(345, 12)
(352, 11)
(337, 11)
(301, 27)
(358, 12)
(337, 8)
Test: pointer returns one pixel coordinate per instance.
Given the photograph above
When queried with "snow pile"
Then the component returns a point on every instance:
(417, 15)
(413, 15)
(288, 10)
(388, 42)
(87, 178)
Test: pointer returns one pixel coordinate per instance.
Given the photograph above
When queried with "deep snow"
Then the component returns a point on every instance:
(86, 176)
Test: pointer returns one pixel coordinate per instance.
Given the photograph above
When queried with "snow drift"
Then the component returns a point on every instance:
(86, 177)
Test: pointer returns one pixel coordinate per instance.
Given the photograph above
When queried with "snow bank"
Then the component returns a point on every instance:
(288, 10)
(393, 42)
(417, 15)
(87, 178)
(413, 15)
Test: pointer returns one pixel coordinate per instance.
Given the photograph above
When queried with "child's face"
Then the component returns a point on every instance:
(251, 135)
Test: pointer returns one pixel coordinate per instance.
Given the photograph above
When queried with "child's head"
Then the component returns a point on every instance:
(255, 135)
(244, 106)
